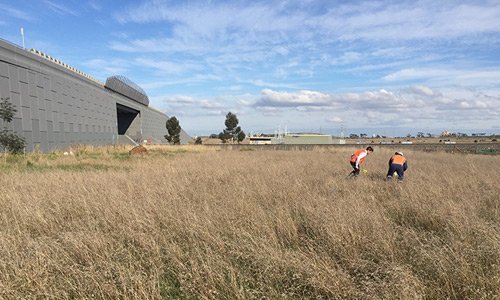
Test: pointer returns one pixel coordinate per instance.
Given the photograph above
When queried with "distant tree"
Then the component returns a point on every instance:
(241, 136)
(232, 131)
(174, 131)
(9, 141)
(223, 137)
(198, 141)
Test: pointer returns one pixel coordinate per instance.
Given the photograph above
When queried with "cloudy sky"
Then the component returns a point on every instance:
(389, 67)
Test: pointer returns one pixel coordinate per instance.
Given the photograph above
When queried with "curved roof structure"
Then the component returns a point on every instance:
(124, 86)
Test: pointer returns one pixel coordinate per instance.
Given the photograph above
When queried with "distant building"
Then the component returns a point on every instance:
(260, 140)
(58, 105)
(308, 139)
(295, 139)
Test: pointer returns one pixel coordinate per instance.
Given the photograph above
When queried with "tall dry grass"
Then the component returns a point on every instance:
(204, 224)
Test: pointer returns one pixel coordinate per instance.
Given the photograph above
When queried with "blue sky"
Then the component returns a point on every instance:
(388, 67)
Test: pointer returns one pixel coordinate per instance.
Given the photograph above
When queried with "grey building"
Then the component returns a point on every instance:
(58, 106)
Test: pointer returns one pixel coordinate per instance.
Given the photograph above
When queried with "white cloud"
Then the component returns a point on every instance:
(290, 40)
(158, 45)
(335, 120)
(346, 58)
(270, 111)
(181, 100)
(195, 79)
(286, 99)
(297, 47)
(60, 8)
(167, 66)
(448, 76)
(9, 11)
(413, 20)
(261, 83)
(413, 103)
(411, 107)
(370, 20)
(107, 67)
(414, 73)
(423, 91)
(193, 106)
(95, 5)
(314, 109)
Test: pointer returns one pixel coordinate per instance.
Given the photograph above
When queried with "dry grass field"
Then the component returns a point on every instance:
(198, 223)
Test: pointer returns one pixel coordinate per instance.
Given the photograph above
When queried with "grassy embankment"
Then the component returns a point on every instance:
(194, 223)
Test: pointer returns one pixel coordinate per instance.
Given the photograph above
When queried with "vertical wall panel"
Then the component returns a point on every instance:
(23, 75)
(14, 79)
(4, 87)
(4, 70)
(32, 83)
(36, 130)
(48, 109)
(35, 113)
(25, 98)
(26, 118)
(43, 120)
(50, 131)
(44, 141)
(28, 138)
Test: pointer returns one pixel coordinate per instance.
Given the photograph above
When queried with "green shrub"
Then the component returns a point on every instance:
(9, 141)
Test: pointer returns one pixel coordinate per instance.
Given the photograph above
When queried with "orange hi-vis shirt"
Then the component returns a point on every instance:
(359, 156)
(398, 159)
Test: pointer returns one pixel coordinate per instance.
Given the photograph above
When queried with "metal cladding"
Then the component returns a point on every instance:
(59, 106)
(124, 86)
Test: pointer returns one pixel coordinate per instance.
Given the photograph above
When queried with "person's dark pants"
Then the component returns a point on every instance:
(354, 172)
(398, 169)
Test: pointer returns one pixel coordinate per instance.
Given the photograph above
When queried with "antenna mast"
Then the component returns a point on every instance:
(22, 36)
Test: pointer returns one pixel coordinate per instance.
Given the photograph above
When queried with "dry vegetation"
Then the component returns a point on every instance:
(195, 223)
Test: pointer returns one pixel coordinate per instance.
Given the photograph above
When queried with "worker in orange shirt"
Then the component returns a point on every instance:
(398, 164)
(357, 159)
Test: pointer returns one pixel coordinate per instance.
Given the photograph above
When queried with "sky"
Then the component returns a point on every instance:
(375, 67)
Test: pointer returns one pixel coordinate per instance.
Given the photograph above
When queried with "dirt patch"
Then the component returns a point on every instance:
(141, 150)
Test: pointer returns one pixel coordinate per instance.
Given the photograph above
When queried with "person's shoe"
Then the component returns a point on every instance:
(388, 178)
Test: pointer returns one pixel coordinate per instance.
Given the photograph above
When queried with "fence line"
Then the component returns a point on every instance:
(435, 147)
